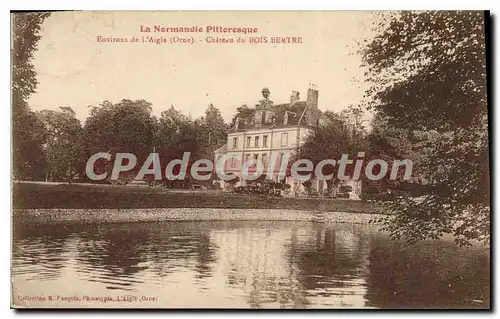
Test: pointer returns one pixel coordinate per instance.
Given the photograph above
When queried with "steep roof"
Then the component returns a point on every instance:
(298, 113)
(295, 112)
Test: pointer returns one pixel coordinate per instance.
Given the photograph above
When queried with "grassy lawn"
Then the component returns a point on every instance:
(48, 195)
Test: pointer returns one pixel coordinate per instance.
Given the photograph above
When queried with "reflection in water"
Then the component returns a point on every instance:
(249, 264)
(432, 274)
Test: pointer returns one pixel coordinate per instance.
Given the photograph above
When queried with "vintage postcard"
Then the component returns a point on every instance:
(250, 159)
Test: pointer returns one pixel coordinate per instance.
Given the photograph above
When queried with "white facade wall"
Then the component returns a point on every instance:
(270, 143)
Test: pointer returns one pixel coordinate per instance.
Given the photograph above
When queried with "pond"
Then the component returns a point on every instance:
(244, 264)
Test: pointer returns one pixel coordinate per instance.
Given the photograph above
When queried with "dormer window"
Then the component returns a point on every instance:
(268, 117)
(258, 117)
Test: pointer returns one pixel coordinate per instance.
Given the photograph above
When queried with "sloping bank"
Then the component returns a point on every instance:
(97, 216)
(89, 203)
(89, 196)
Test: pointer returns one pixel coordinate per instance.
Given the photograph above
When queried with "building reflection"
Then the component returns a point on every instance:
(254, 260)
(296, 266)
(332, 265)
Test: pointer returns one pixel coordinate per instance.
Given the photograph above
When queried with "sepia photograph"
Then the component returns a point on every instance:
(250, 159)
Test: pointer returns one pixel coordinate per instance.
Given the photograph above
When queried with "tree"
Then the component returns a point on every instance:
(428, 77)
(28, 137)
(332, 140)
(213, 131)
(27, 131)
(177, 134)
(126, 126)
(63, 152)
(242, 112)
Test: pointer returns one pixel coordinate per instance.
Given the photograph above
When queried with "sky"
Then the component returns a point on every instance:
(75, 70)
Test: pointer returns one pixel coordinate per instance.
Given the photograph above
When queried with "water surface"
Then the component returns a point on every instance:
(247, 264)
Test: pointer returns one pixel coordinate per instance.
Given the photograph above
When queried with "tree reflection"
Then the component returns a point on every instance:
(125, 250)
(432, 274)
(38, 252)
(205, 255)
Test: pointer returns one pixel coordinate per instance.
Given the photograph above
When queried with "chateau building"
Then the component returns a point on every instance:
(273, 131)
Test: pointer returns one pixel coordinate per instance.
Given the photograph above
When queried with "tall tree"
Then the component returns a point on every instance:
(27, 130)
(64, 152)
(176, 134)
(213, 131)
(428, 77)
(126, 126)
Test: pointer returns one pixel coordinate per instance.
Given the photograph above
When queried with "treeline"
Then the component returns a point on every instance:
(63, 145)
(427, 72)
(55, 145)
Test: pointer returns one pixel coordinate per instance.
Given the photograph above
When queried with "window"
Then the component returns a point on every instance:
(267, 117)
(256, 141)
(235, 142)
(233, 162)
(284, 139)
(264, 141)
(258, 118)
(249, 141)
(264, 159)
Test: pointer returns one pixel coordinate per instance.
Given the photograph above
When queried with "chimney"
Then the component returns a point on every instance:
(295, 97)
(236, 123)
(312, 96)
